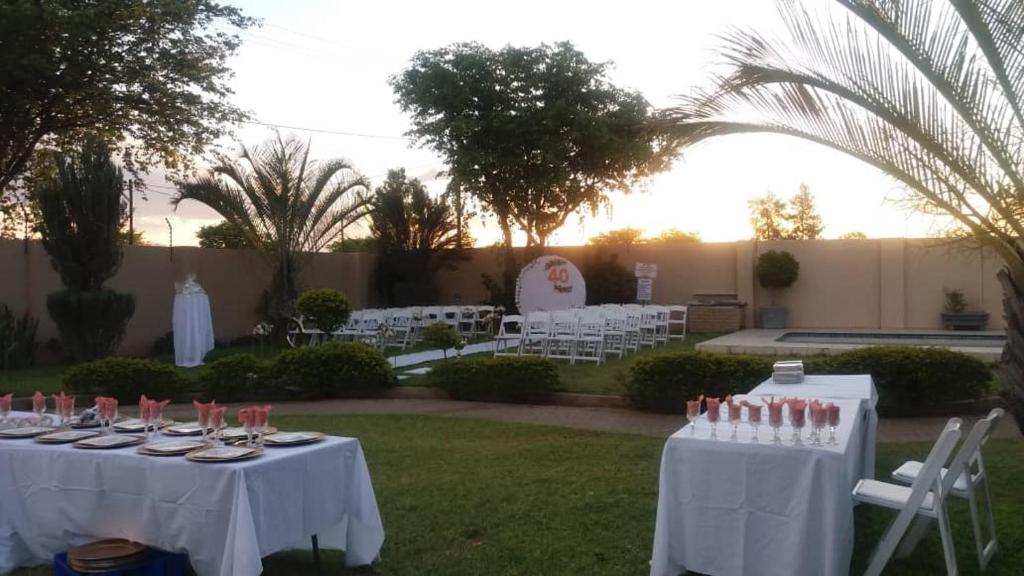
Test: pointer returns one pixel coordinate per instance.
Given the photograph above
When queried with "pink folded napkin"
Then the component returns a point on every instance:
(833, 414)
(217, 416)
(714, 407)
(38, 402)
(797, 412)
(64, 405)
(245, 416)
(156, 408)
(775, 411)
(754, 412)
(693, 407)
(204, 411)
(5, 402)
(260, 416)
(143, 407)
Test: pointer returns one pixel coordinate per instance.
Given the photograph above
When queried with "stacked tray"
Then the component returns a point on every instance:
(107, 555)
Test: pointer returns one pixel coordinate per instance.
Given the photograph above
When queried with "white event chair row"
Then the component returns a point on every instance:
(403, 325)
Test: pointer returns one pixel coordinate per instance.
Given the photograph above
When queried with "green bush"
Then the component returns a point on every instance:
(908, 377)
(502, 378)
(326, 308)
(124, 379)
(662, 383)
(441, 336)
(236, 378)
(17, 339)
(332, 370)
(777, 269)
(91, 322)
(608, 281)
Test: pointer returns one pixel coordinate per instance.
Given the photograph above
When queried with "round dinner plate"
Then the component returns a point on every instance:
(26, 431)
(136, 425)
(184, 429)
(283, 439)
(109, 442)
(236, 432)
(65, 436)
(171, 447)
(223, 454)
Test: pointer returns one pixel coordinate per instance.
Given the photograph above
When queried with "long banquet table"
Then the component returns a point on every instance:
(225, 515)
(741, 508)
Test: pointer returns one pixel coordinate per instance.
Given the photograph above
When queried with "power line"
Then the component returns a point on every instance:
(325, 131)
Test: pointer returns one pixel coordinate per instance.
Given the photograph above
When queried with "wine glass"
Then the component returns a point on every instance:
(39, 407)
(713, 414)
(216, 421)
(156, 415)
(68, 412)
(5, 409)
(797, 419)
(111, 414)
(262, 417)
(203, 416)
(245, 416)
(735, 417)
(819, 415)
(775, 419)
(693, 413)
(754, 418)
(833, 423)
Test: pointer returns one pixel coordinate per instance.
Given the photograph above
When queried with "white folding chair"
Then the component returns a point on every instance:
(614, 334)
(924, 500)
(467, 321)
(970, 480)
(350, 331)
(484, 319)
(535, 333)
(661, 325)
(561, 342)
(509, 341)
(401, 324)
(451, 315)
(632, 328)
(590, 339)
(677, 322)
(648, 327)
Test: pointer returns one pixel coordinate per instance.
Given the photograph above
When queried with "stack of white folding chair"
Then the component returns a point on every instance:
(535, 333)
(561, 339)
(509, 341)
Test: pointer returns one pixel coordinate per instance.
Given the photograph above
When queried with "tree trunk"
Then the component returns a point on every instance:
(1012, 366)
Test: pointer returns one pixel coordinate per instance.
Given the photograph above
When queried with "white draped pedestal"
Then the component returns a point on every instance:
(226, 516)
(738, 508)
(193, 329)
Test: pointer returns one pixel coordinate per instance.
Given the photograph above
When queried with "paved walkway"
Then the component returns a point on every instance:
(604, 419)
(403, 360)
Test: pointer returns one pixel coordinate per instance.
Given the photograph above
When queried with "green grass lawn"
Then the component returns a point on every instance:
(469, 497)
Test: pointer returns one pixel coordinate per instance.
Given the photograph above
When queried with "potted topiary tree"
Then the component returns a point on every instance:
(442, 336)
(955, 315)
(776, 270)
(326, 308)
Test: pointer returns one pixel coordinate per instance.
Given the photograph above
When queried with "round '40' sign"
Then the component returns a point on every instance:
(550, 283)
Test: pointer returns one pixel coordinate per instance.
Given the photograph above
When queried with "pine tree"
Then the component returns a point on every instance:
(767, 214)
(804, 220)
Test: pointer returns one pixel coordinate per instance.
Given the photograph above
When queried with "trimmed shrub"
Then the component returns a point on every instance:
(124, 379)
(92, 322)
(332, 370)
(327, 308)
(235, 378)
(503, 378)
(908, 377)
(17, 339)
(662, 383)
(441, 336)
(777, 269)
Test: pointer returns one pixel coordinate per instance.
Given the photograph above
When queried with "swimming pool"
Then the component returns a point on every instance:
(950, 339)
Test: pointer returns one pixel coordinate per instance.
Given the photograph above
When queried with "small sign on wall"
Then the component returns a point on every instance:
(644, 289)
(646, 270)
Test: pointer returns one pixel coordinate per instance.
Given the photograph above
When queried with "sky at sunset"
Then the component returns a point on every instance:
(325, 65)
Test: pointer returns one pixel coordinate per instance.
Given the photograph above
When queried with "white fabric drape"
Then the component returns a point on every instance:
(737, 508)
(226, 516)
(193, 329)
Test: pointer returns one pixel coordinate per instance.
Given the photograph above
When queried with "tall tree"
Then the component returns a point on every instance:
(767, 217)
(223, 234)
(618, 237)
(930, 92)
(853, 235)
(416, 236)
(675, 235)
(149, 76)
(284, 204)
(83, 213)
(804, 220)
(535, 134)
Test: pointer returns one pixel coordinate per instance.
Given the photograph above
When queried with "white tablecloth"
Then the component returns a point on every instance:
(827, 387)
(193, 329)
(736, 508)
(226, 516)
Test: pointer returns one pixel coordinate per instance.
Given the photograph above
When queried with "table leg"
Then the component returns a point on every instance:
(316, 554)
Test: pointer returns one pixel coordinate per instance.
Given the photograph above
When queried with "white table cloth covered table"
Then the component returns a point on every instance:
(738, 508)
(826, 387)
(193, 329)
(227, 516)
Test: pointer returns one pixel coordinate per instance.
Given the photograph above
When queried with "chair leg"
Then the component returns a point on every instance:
(316, 554)
(890, 540)
(947, 541)
(988, 549)
(917, 532)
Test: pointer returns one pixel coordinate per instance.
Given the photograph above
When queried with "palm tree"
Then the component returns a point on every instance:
(284, 204)
(930, 92)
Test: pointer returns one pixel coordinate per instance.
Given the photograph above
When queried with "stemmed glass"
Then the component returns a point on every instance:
(216, 422)
(833, 423)
(246, 417)
(111, 414)
(713, 414)
(693, 413)
(65, 409)
(819, 415)
(203, 417)
(735, 417)
(39, 407)
(5, 409)
(797, 419)
(156, 415)
(754, 418)
(775, 418)
(144, 415)
(262, 419)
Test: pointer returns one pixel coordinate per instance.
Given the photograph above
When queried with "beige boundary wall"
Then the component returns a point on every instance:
(890, 283)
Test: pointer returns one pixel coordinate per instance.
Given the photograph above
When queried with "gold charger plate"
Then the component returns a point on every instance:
(26, 431)
(292, 438)
(171, 447)
(136, 425)
(223, 454)
(184, 429)
(235, 432)
(109, 442)
(65, 436)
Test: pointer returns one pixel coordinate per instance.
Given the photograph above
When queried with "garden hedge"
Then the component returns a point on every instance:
(505, 378)
(663, 382)
(332, 370)
(124, 379)
(238, 377)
